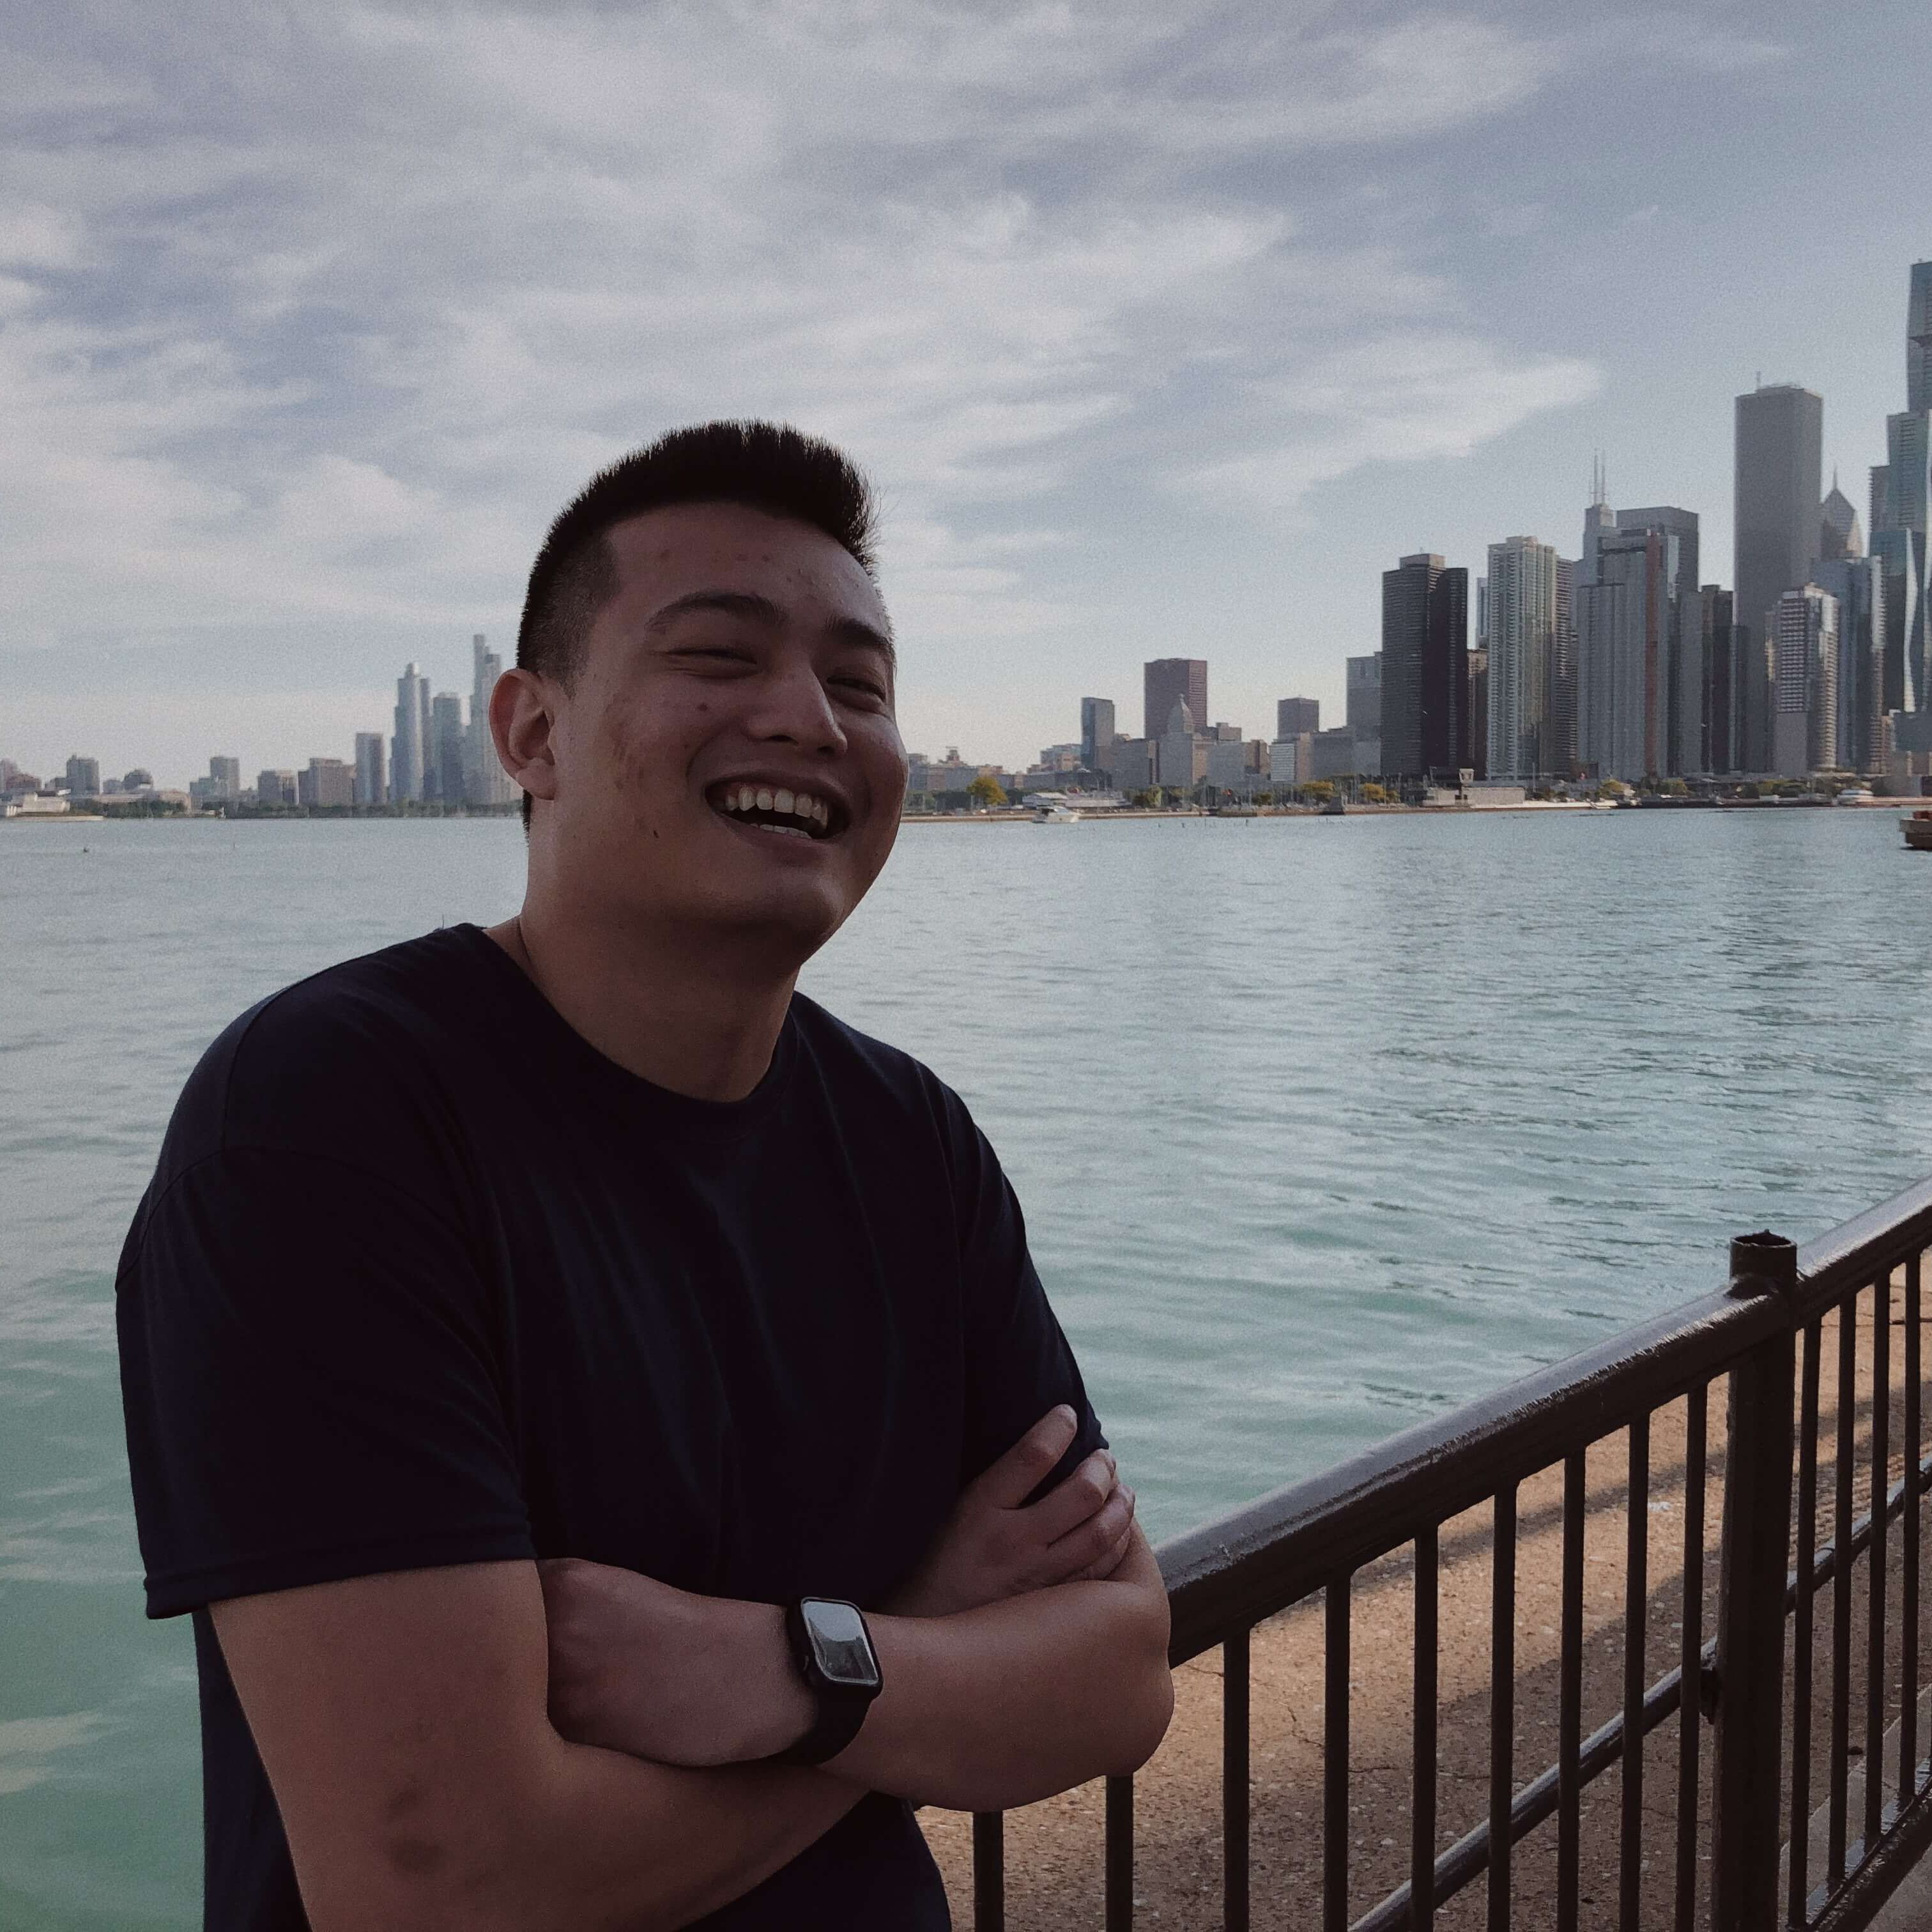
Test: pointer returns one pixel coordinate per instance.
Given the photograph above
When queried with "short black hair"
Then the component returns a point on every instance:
(768, 467)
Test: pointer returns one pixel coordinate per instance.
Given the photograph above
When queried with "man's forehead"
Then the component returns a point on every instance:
(664, 555)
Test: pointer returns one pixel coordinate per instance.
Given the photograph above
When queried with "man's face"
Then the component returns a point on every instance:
(727, 755)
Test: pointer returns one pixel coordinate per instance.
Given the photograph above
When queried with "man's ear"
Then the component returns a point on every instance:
(522, 715)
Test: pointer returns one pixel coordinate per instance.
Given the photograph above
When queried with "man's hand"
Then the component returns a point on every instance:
(996, 1545)
(636, 1666)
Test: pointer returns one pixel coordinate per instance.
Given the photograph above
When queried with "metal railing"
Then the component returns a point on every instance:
(1744, 1816)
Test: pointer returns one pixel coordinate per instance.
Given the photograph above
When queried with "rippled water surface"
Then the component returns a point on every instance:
(1321, 1126)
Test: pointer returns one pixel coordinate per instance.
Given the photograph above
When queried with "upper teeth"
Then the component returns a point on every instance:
(762, 798)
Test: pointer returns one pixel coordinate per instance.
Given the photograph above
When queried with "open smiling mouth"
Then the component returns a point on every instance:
(789, 814)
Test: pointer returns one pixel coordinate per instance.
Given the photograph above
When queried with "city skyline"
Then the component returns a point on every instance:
(1162, 329)
(1621, 663)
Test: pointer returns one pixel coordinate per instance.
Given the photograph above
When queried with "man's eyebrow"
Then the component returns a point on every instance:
(748, 603)
(733, 603)
(867, 637)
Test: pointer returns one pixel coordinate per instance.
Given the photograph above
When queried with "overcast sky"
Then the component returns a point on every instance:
(1163, 327)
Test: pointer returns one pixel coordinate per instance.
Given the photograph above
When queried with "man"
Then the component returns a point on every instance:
(598, 1408)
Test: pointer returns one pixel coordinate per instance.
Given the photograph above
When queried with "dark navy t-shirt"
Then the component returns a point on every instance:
(422, 1278)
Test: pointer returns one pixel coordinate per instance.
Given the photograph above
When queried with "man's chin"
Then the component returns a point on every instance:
(773, 929)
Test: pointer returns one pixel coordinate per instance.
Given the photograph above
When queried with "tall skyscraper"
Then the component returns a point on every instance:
(1901, 491)
(1167, 682)
(1561, 738)
(1364, 714)
(1096, 733)
(1720, 674)
(1838, 533)
(409, 749)
(1184, 751)
(369, 786)
(1805, 683)
(1919, 338)
(1858, 585)
(444, 779)
(1640, 667)
(1619, 640)
(1521, 637)
(1479, 711)
(1294, 716)
(1425, 667)
(224, 778)
(484, 780)
(83, 778)
(1778, 479)
(1677, 702)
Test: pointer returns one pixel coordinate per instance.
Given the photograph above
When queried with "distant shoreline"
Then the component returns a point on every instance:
(1019, 816)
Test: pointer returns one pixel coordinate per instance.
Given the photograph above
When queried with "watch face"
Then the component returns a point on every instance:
(839, 1645)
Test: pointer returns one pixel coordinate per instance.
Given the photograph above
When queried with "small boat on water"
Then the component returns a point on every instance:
(1057, 815)
(1918, 829)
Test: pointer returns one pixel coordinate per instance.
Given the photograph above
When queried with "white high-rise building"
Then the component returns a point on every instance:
(1804, 683)
(409, 749)
(1520, 617)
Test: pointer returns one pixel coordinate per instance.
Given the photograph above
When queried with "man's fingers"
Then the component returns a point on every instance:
(1095, 1539)
(1024, 1467)
(1099, 1572)
(1081, 1495)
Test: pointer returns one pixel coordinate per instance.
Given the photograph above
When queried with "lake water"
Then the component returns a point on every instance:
(1321, 1126)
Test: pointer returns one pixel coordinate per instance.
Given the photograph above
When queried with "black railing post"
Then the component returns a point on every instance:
(1750, 1607)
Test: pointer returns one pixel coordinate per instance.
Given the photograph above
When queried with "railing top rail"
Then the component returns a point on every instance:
(1857, 1251)
(1229, 1574)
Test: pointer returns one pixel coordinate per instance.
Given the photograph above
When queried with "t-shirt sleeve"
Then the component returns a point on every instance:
(310, 1386)
(1018, 1363)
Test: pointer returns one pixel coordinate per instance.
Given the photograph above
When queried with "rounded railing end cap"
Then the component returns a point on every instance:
(1762, 1264)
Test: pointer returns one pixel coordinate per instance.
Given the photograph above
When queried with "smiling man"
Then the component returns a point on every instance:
(598, 1408)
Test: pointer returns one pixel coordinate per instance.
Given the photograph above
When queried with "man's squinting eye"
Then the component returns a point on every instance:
(718, 653)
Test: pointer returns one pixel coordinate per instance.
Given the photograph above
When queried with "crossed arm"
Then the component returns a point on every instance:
(494, 1747)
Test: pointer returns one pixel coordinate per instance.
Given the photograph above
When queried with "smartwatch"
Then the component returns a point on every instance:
(832, 1650)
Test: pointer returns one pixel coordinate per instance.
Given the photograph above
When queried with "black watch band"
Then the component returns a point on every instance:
(831, 1650)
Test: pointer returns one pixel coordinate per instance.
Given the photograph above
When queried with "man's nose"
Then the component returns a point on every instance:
(792, 708)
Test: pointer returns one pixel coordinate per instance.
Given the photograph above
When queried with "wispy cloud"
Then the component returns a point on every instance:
(312, 317)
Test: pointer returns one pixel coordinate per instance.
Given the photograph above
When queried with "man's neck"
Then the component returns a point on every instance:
(656, 1009)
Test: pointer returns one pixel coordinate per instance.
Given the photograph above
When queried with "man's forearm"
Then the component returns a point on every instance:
(581, 1840)
(614, 1843)
(401, 1719)
(1004, 1705)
